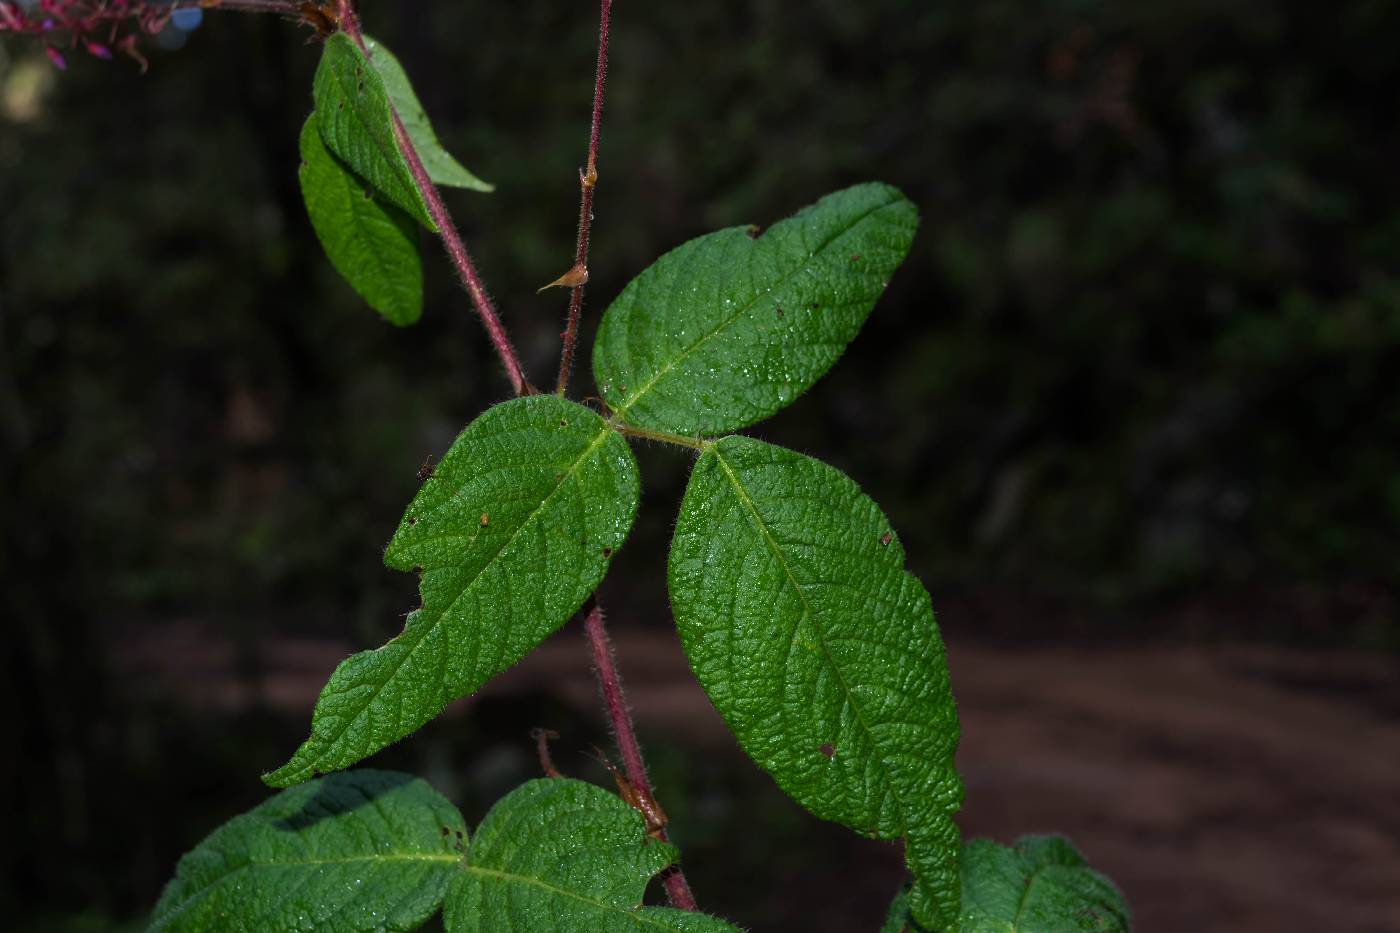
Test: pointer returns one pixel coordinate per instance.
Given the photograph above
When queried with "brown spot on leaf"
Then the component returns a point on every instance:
(411, 520)
(886, 538)
(607, 552)
(855, 257)
(828, 750)
(780, 312)
(446, 831)
(753, 231)
(485, 519)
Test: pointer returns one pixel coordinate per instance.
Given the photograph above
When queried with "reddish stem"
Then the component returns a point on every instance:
(677, 888)
(456, 250)
(588, 180)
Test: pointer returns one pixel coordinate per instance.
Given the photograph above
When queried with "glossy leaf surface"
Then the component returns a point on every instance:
(729, 328)
(561, 856)
(820, 651)
(442, 168)
(352, 111)
(513, 530)
(371, 243)
(361, 851)
(1039, 885)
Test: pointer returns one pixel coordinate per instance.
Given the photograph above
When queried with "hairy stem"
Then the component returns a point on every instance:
(587, 180)
(285, 7)
(677, 888)
(456, 250)
(678, 440)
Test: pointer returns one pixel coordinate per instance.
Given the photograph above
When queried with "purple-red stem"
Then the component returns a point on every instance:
(588, 180)
(604, 664)
(677, 888)
(456, 250)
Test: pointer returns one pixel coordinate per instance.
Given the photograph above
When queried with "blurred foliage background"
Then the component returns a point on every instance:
(1144, 358)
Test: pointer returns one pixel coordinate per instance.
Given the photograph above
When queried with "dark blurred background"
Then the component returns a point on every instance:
(1133, 403)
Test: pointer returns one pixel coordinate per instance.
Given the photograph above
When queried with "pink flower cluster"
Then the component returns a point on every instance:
(96, 26)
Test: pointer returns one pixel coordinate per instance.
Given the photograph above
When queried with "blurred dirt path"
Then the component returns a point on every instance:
(1224, 788)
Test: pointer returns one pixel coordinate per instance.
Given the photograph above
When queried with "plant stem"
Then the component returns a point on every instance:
(604, 664)
(677, 888)
(588, 180)
(456, 250)
(285, 7)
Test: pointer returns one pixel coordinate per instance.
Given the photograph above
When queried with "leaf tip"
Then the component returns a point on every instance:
(294, 772)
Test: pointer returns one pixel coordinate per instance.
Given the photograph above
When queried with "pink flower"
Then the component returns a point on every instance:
(95, 25)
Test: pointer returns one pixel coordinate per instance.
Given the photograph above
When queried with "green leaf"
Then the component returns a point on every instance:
(352, 110)
(558, 856)
(900, 919)
(728, 328)
(514, 529)
(442, 168)
(372, 244)
(820, 651)
(1041, 885)
(366, 850)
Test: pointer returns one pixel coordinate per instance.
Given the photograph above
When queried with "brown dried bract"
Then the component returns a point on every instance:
(576, 276)
(638, 798)
(324, 18)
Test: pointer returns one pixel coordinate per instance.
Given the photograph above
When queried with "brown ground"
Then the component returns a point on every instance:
(1223, 788)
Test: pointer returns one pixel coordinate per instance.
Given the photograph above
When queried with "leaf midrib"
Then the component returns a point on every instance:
(1024, 901)
(811, 614)
(636, 913)
(603, 433)
(723, 324)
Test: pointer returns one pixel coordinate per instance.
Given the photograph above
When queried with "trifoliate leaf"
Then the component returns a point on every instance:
(820, 651)
(731, 327)
(372, 243)
(1040, 885)
(513, 530)
(562, 856)
(366, 850)
(352, 111)
(442, 168)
